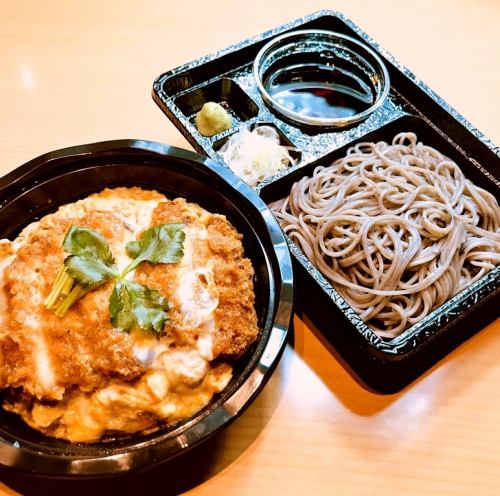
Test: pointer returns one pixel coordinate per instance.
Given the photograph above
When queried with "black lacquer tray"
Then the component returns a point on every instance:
(41, 185)
(384, 366)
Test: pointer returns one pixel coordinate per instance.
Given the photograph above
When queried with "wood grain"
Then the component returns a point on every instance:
(81, 71)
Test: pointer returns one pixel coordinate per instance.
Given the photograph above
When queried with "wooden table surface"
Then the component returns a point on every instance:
(81, 71)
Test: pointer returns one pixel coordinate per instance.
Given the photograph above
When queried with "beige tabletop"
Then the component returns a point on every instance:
(76, 72)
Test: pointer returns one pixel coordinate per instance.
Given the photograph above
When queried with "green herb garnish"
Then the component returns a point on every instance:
(134, 305)
(160, 244)
(91, 263)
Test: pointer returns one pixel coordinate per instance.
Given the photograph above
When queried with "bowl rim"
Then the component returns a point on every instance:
(322, 122)
(192, 432)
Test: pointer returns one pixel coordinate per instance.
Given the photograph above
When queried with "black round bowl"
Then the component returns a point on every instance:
(41, 185)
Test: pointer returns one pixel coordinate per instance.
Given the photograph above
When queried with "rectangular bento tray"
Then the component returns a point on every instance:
(382, 365)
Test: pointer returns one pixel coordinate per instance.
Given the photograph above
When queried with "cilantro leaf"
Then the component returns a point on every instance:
(160, 244)
(88, 270)
(91, 261)
(134, 305)
(82, 241)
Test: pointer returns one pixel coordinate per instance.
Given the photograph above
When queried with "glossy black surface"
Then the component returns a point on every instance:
(63, 176)
(380, 365)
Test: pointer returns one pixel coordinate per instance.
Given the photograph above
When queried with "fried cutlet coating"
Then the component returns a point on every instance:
(235, 317)
(82, 348)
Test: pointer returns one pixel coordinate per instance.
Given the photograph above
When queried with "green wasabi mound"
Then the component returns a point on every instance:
(212, 119)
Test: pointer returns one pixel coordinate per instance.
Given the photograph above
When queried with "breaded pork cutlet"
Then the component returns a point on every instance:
(79, 377)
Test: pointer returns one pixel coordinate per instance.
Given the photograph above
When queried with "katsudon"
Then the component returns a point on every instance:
(121, 312)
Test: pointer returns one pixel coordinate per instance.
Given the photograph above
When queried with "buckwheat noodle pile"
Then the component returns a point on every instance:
(396, 228)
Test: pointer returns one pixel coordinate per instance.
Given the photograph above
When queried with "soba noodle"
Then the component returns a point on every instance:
(396, 228)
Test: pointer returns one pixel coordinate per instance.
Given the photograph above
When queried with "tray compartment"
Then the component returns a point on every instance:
(380, 364)
(222, 91)
(284, 141)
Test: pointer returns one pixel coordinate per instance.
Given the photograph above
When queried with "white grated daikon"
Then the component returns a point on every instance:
(256, 155)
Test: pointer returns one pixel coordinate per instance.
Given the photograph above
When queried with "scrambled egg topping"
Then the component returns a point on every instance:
(77, 377)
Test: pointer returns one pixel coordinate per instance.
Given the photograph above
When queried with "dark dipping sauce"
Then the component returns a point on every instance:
(315, 100)
(320, 90)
